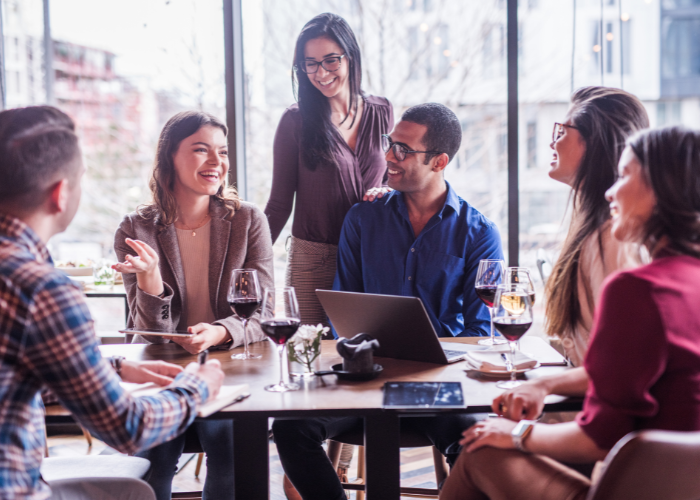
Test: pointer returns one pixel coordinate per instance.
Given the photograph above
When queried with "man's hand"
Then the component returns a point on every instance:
(373, 193)
(206, 335)
(495, 432)
(523, 402)
(211, 373)
(158, 372)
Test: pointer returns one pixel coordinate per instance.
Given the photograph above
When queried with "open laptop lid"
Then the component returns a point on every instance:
(400, 324)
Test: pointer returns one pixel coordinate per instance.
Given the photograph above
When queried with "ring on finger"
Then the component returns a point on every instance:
(502, 408)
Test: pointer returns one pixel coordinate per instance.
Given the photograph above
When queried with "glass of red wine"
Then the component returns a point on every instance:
(280, 321)
(489, 275)
(512, 317)
(244, 297)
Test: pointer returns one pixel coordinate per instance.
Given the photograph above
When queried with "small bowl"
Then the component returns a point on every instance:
(77, 271)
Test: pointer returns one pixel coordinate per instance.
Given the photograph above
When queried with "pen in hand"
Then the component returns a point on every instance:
(202, 357)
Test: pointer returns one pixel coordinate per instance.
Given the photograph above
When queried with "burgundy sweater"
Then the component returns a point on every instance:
(644, 355)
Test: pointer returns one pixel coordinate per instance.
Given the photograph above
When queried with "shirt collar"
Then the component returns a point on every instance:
(13, 228)
(452, 200)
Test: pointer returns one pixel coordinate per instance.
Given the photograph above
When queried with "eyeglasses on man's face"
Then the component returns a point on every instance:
(400, 151)
(330, 64)
(559, 129)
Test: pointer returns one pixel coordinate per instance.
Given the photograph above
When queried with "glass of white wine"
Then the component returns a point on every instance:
(521, 276)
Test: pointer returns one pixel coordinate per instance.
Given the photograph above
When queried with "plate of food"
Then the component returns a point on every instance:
(75, 267)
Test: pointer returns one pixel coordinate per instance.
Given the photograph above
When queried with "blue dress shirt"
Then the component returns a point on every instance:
(378, 253)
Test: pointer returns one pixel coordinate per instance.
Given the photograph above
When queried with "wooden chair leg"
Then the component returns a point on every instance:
(88, 437)
(334, 452)
(360, 495)
(198, 467)
(441, 468)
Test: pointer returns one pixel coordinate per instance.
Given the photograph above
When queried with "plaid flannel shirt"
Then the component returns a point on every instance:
(47, 340)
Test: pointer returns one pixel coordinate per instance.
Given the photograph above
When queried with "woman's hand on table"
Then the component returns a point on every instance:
(205, 336)
(144, 265)
(211, 373)
(158, 372)
(523, 402)
(494, 432)
(373, 193)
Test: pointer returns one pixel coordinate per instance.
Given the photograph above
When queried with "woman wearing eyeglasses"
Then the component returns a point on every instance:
(327, 152)
(587, 147)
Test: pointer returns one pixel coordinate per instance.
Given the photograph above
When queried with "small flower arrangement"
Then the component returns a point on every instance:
(305, 346)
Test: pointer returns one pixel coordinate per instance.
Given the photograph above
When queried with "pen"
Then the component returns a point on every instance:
(203, 356)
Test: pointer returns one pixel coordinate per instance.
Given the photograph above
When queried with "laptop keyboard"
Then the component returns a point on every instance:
(453, 354)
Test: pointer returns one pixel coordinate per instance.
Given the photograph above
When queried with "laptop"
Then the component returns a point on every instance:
(400, 324)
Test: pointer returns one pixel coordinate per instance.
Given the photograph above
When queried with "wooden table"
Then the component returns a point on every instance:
(329, 397)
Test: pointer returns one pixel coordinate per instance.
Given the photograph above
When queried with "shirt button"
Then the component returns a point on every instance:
(409, 278)
(413, 249)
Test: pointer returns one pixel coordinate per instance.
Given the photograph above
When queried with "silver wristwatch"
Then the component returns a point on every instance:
(520, 432)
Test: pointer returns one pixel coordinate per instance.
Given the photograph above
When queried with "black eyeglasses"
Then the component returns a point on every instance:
(559, 129)
(400, 151)
(330, 64)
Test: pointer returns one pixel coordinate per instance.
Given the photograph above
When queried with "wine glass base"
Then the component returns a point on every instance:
(509, 384)
(243, 355)
(282, 387)
(494, 341)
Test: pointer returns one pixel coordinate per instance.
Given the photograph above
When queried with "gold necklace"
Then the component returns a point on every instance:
(194, 231)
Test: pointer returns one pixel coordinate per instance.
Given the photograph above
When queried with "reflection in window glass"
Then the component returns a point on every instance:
(413, 51)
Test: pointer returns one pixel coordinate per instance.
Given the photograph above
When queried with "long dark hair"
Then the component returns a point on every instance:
(605, 117)
(162, 183)
(670, 159)
(319, 136)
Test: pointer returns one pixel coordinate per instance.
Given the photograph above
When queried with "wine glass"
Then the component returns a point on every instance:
(280, 320)
(521, 276)
(512, 317)
(244, 298)
(488, 277)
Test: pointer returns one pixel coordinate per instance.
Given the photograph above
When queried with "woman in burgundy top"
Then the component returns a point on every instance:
(643, 360)
(327, 151)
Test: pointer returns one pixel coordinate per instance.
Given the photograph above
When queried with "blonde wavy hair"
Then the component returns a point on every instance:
(162, 184)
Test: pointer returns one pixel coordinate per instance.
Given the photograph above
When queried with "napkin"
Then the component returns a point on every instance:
(491, 361)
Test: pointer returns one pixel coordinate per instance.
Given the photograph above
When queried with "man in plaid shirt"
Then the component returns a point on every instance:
(47, 338)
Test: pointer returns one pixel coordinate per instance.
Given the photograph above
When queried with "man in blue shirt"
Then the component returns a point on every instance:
(420, 240)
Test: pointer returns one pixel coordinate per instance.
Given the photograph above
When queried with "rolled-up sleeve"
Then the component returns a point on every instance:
(626, 356)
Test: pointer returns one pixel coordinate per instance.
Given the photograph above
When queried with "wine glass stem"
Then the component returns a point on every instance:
(512, 360)
(245, 337)
(493, 335)
(280, 349)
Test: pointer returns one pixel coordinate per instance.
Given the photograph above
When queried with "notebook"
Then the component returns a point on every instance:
(228, 395)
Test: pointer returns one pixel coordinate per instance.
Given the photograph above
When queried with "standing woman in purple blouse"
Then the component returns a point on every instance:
(327, 151)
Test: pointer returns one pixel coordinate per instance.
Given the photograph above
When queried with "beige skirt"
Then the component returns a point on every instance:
(310, 265)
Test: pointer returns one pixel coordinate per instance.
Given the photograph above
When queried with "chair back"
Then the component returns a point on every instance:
(651, 465)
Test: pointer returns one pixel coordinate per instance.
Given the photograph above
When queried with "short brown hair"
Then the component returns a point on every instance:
(38, 147)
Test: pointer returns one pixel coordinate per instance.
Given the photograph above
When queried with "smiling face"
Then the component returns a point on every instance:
(412, 174)
(201, 162)
(631, 199)
(329, 83)
(568, 153)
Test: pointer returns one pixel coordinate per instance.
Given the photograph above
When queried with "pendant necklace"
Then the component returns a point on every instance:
(194, 231)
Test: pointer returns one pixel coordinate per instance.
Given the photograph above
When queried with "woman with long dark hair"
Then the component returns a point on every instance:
(644, 355)
(587, 146)
(177, 254)
(327, 153)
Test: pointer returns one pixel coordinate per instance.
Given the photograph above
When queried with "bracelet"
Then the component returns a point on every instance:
(116, 362)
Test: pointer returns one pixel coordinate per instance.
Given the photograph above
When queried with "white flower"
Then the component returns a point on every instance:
(309, 333)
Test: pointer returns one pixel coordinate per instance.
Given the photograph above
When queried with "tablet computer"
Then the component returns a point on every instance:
(421, 395)
(160, 333)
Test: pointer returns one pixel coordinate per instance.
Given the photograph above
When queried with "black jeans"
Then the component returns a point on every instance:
(300, 447)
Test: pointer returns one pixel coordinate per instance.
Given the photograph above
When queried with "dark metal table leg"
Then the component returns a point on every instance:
(251, 458)
(383, 472)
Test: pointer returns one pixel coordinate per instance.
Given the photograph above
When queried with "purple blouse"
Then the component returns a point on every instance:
(325, 195)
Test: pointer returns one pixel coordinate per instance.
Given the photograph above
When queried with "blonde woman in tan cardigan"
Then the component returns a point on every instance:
(177, 254)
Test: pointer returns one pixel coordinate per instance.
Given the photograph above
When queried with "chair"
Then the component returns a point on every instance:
(101, 488)
(93, 466)
(407, 440)
(650, 465)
